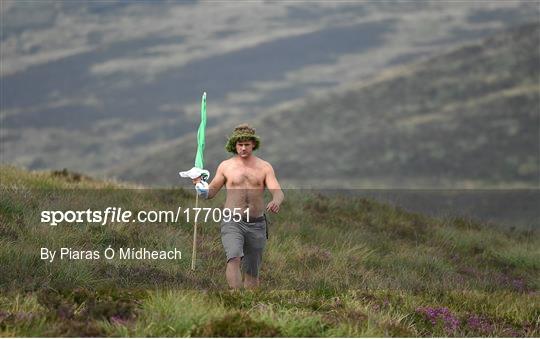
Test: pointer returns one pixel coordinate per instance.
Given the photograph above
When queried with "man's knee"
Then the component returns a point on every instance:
(234, 261)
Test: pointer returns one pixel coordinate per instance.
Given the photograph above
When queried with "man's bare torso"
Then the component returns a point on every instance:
(245, 182)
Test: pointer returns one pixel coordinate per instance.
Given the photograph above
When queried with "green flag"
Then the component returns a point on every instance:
(199, 158)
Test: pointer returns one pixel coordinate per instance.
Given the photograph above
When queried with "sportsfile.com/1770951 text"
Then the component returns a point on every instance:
(119, 215)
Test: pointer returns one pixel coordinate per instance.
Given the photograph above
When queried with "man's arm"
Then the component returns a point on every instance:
(217, 182)
(215, 185)
(273, 186)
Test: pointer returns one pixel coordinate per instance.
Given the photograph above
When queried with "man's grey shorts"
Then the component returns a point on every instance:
(245, 240)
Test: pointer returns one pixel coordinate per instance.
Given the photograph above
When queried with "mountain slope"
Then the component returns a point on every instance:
(467, 118)
(91, 85)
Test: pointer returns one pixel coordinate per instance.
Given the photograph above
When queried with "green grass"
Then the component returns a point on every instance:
(334, 266)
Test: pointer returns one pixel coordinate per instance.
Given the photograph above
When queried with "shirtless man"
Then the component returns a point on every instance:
(245, 176)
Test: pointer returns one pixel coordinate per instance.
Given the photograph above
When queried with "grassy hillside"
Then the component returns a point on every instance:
(334, 266)
(467, 118)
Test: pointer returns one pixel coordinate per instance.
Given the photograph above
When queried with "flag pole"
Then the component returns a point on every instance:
(194, 253)
(199, 163)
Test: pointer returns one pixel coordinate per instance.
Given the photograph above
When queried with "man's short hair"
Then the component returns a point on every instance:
(242, 132)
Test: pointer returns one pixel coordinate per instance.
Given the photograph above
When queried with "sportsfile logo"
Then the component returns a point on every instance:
(110, 214)
(119, 215)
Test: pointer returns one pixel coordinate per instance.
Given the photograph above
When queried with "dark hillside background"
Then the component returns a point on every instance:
(94, 86)
(467, 118)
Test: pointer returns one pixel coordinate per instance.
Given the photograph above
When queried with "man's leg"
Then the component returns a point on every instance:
(233, 274)
(232, 237)
(253, 251)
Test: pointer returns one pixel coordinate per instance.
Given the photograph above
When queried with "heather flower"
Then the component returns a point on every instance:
(16, 317)
(117, 320)
(518, 284)
(440, 314)
(510, 332)
(23, 316)
(479, 323)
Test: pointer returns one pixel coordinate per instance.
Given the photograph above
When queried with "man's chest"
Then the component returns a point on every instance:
(242, 176)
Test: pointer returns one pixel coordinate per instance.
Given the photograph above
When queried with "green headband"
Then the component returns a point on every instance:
(235, 137)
